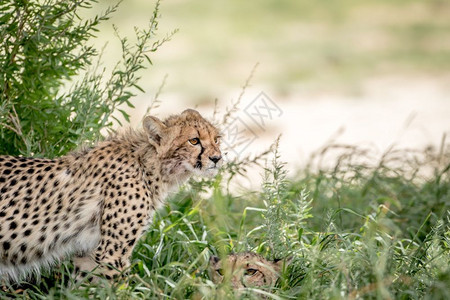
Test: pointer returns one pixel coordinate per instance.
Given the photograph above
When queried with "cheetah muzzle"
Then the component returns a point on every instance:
(94, 204)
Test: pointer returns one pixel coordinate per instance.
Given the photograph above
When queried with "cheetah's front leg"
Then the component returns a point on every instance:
(109, 264)
(83, 265)
(112, 256)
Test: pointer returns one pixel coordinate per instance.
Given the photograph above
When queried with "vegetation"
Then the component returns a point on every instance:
(362, 227)
(351, 232)
(44, 46)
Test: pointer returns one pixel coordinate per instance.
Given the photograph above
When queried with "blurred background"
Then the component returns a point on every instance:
(373, 72)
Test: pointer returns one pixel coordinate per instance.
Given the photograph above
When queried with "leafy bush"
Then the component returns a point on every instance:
(53, 93)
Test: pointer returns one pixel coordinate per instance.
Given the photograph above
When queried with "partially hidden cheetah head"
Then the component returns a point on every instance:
(186, 144)
(245, 270)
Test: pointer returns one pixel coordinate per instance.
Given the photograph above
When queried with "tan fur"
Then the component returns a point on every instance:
(96, 203)
(244, 270)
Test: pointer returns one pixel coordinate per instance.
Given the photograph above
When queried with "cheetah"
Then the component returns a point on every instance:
(95, 203)
(244, 270)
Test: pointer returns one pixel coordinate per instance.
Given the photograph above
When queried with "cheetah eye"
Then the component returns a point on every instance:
(194, 141)
(250, 272)
(220, 272)
(217, 139)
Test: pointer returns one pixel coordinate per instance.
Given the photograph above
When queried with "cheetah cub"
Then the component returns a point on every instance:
(94, 204)
(244, 270)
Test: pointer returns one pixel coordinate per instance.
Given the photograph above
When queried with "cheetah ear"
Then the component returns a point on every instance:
(214, 260)
(154, 129)
(191, 112)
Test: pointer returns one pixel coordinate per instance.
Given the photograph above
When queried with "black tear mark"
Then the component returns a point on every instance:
(198, 164)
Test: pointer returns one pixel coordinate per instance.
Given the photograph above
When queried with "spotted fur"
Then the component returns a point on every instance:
(94, 204)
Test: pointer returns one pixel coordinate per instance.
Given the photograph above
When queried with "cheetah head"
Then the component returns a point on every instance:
(187, 144)
(245, 269)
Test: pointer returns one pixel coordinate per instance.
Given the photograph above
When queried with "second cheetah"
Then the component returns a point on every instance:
(246, 269)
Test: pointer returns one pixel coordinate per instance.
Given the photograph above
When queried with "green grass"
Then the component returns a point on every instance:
(361, 228)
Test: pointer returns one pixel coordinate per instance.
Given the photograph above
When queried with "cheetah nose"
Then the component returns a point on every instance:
(215, 159)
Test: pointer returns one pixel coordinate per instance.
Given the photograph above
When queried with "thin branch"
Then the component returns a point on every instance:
(155, 102)
(230, 111)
